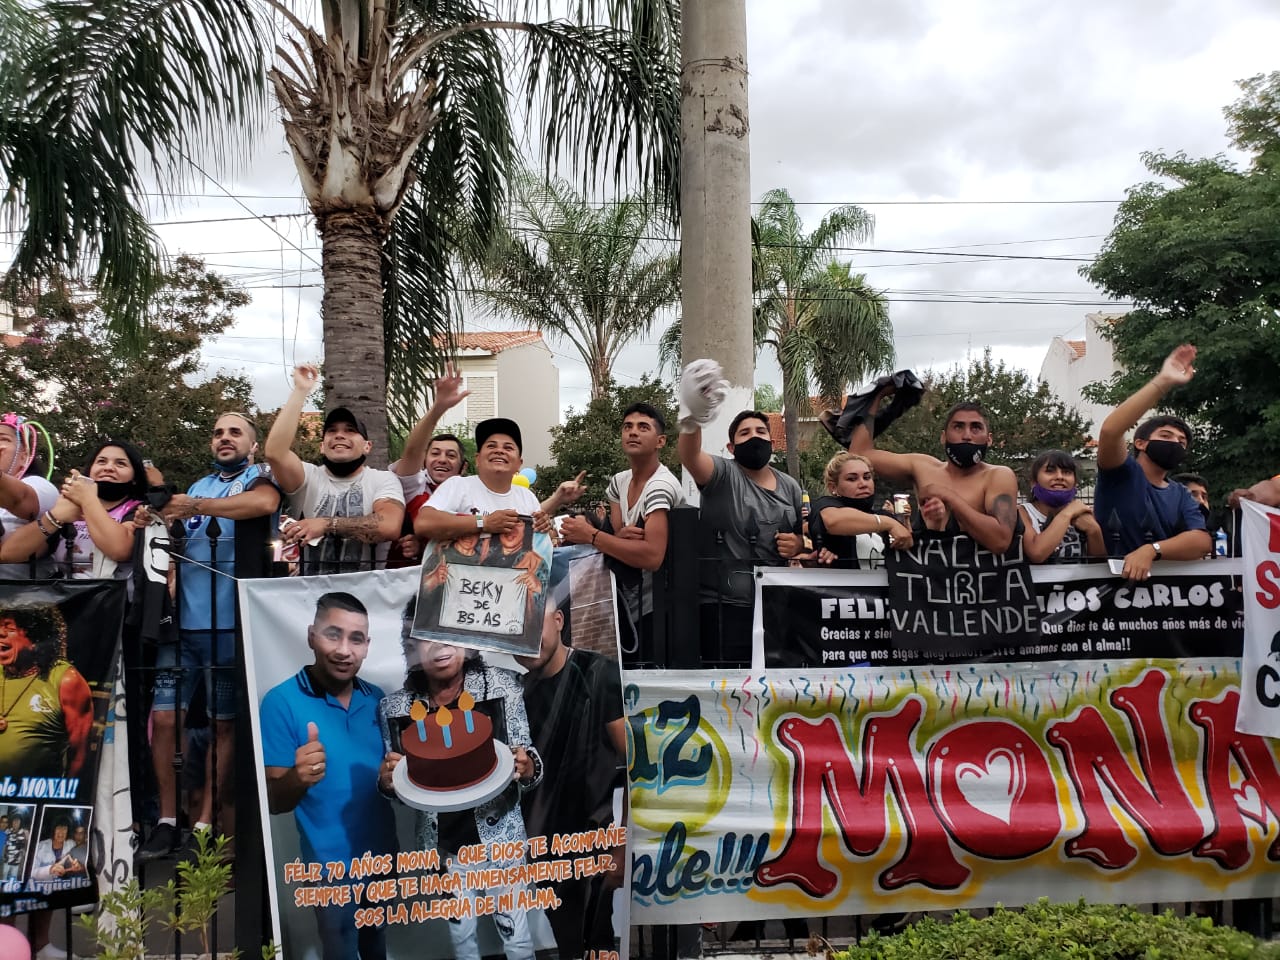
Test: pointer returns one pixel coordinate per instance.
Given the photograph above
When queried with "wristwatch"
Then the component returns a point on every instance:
(479, 521)
(1155, 545)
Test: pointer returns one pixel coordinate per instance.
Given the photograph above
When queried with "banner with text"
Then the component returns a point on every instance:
(950, 594)
(936, 787)
(837, 618)
(1260, 688)
(497, 832)
(59, 645)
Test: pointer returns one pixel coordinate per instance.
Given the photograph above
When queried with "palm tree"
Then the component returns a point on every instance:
(594, 275)
(827, 326)
(400, 117)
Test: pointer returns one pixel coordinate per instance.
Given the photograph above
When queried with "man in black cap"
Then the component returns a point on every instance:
(487, 500)
(347, 513)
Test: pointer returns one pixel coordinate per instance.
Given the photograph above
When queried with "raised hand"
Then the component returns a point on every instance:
(702, 391)
(1179, 367)
(309, 760)
(448, 389)
(305, 377)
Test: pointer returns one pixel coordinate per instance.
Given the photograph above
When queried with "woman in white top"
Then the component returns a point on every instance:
(1056, 526)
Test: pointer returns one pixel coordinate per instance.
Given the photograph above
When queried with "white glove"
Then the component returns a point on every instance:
(702, 390)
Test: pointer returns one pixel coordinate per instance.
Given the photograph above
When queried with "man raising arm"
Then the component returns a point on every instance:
(1151, 518)
(981, 498)
(358, 508)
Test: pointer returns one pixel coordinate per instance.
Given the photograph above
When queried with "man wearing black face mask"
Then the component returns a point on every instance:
(1148, 517)
(751, 513)
(963, 493)
(349, 513)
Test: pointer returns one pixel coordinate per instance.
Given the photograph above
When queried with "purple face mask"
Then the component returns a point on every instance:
(1052, 498)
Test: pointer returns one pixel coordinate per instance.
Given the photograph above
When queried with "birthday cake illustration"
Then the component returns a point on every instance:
(446, 751)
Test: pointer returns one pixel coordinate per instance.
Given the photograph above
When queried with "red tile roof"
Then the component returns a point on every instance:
(1077, 346)
(777, 431)
(12, 341)
(495, 341)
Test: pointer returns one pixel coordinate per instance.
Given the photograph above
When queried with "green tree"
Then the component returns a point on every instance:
(1197, 253)
(591, 439)
(78, 377)
(400, 118)
(827, 326)
(1026, 416)
(767, 398)
(592, 275)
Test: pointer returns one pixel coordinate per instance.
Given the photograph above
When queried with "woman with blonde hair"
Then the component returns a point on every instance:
(838, 518)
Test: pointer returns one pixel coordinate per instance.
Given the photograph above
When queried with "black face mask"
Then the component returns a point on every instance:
(344, 469)
(965, 454)
(1166, 454)
(858, 503)
(754, 453)
(112, 490)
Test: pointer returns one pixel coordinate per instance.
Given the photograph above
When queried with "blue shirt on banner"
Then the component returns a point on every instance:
(342, 815)
(196, 593)
(1138, 504)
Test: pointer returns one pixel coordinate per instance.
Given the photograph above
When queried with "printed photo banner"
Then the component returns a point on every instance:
(485, 591)
(813, 618)
(881, 789)
(59, 646)
(436, 878)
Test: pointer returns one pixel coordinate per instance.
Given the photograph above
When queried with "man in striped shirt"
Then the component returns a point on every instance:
(639, 500)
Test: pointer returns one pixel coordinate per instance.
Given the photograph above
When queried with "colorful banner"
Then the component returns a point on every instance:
(430, 870)
(934, 788)
(1260, 689)
(59, 646)
(812, 618)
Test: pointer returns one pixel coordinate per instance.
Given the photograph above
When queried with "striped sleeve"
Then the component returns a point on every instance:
(659, 494)
(614, 493)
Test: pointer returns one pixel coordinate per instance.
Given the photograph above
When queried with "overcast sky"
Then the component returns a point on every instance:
(965, 126)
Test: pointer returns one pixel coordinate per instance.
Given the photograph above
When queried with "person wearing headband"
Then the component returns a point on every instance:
(1056, 525)
(24, 494)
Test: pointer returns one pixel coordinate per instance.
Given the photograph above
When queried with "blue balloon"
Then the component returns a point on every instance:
(530, 474)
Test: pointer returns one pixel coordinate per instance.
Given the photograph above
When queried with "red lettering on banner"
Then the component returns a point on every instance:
(823, 767)
(994, 789)
(1163, 810)
(1273, 542)
(1268, 575)
(1259, 792)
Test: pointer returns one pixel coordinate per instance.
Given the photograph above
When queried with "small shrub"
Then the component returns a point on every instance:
(1079, 931)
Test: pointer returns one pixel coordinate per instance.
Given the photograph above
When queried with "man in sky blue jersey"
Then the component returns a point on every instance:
(237, 489)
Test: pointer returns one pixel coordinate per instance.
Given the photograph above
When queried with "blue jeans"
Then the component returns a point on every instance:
(340, 940)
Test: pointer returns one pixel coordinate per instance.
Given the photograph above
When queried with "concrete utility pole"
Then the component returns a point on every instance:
(715, 201)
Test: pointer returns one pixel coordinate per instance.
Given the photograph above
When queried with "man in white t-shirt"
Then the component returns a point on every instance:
(347, 513)
(24, 494)
(639, 501)
(487, 500)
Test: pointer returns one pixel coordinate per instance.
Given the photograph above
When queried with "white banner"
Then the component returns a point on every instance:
(1260, 667)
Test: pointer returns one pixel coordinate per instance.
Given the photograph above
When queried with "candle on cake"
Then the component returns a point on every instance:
(467, 702)
(418, 714)
(444, 717)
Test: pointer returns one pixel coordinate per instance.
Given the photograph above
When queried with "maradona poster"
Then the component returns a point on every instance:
(59, 644)
(431, 799)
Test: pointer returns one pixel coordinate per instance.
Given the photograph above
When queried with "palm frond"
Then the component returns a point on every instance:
(99, 96)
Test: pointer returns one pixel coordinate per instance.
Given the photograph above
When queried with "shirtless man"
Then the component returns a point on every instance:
(982, 498)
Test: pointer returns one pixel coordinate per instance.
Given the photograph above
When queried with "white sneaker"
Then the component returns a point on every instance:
(50, 952)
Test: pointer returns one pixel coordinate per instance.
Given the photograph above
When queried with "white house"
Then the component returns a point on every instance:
(510, 373)
(1069, 365)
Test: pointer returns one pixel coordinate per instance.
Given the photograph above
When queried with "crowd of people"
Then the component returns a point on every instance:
(340, 514)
